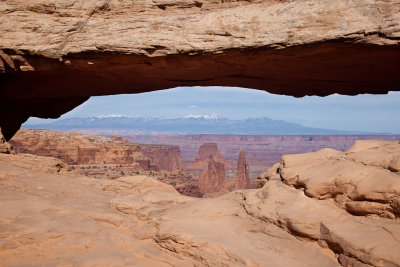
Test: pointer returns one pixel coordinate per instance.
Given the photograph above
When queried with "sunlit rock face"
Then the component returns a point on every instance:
(55, 55)
(79, 149)
(363, 180)
(83, 149)
(163, 157)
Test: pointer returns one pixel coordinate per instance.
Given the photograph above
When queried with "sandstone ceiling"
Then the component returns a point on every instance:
(55, 54)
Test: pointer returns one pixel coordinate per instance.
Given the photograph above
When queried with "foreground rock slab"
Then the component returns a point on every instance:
(364, 180)
(51, 219)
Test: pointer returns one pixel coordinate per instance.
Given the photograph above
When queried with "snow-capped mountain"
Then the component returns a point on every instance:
(191, 124)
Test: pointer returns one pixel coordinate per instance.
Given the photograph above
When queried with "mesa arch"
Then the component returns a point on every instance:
(54, 55)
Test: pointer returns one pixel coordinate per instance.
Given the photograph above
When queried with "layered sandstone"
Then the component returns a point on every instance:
(78, 149)
(163, 157)
(87, 48)
(207, 151)
(136, 220)
(81, 149)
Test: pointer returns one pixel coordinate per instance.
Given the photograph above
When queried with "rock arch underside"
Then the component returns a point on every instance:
(54, 55)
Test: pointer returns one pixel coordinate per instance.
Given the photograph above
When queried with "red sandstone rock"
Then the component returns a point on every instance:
(163, 157)
(242, 179)
(261, 151)
(206, 151)
(213, 179)
(78, 149)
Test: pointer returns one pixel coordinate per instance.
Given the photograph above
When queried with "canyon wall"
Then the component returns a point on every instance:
(77, 149)
(87, 48)
(163, 157)
(80, 149)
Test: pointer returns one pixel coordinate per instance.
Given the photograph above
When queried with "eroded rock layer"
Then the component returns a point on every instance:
(78, 149)
(54, 55)
(136, 220)
(163, 157)
(207, 151)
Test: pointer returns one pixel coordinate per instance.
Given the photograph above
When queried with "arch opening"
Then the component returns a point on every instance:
(54, 86)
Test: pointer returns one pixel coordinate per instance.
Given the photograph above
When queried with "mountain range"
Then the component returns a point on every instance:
(192, 124)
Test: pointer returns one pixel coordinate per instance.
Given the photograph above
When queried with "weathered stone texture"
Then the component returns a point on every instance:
(54, 55)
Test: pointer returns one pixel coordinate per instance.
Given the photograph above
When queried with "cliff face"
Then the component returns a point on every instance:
(207, 151)
(87, 48)
(213, 179)
(163, 158)
(77, 149)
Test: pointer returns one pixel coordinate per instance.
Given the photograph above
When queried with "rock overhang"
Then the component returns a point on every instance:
(55, 55)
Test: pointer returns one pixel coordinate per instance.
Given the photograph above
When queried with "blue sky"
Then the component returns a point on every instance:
(370, 113)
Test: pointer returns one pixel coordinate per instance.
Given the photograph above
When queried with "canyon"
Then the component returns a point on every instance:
(328, 208)
(102, 157)
(261, 151)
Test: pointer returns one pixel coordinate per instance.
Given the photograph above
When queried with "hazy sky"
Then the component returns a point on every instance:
(371, 113)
